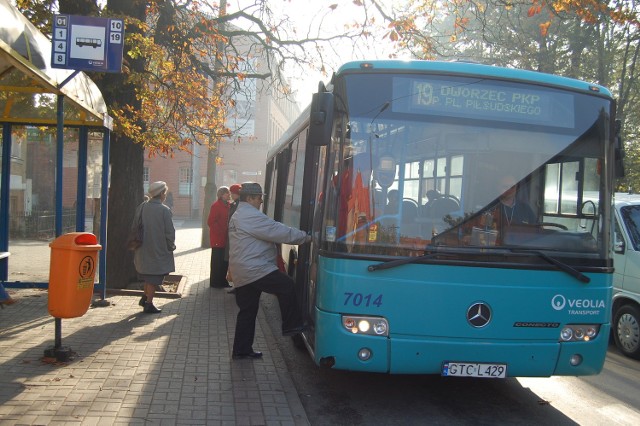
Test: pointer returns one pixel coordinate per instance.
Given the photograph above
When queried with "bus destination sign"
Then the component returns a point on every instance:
(491, 102)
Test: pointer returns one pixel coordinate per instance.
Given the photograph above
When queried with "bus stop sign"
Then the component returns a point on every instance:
(87, 43)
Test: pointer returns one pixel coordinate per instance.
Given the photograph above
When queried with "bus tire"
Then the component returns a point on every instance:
(626, 331)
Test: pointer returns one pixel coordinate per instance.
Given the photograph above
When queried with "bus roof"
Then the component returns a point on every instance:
(468, 68)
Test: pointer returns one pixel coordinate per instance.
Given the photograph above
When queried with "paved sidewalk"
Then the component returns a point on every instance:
(135, 368)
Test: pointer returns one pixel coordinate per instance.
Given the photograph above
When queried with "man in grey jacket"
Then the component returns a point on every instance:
(253, 260)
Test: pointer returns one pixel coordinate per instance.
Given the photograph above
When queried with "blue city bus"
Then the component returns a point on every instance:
(460, 216)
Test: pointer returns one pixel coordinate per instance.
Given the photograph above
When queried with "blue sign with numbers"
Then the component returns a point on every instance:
(87, 43)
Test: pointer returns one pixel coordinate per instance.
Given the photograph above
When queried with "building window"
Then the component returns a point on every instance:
(229, 177)
(186, 177)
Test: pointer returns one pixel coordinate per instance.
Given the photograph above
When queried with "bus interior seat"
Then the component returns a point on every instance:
(440, 207)
(409, 210)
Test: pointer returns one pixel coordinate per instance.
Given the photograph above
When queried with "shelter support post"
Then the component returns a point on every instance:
(104, 204)
(4, 199)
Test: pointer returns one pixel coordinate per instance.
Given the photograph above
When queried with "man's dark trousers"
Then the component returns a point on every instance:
(219, 266)
(248, 300)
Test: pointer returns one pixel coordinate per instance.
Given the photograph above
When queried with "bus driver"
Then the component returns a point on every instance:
(507, 211)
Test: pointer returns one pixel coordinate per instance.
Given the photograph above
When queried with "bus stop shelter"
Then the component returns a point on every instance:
(54, 173)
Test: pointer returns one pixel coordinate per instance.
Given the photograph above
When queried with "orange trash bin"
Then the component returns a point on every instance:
(74, 257)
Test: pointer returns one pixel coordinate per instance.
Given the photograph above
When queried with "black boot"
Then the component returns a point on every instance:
(143, 300)
(149, 308)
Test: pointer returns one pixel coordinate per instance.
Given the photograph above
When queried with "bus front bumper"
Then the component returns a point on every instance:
(402, 354)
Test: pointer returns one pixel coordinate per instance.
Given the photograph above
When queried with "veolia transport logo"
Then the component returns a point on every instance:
(558, 302)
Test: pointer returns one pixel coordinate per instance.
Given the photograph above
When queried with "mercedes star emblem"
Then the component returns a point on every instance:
(479, 314)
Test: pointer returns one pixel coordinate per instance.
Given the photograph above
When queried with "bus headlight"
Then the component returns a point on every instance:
(579, 332)
(380, 328)
(373, 326)
(566, 334)
(592, 331)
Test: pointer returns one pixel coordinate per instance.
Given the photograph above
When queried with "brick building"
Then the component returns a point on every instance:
(260, 118)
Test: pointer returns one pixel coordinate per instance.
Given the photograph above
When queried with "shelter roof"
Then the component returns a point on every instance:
(29, 86)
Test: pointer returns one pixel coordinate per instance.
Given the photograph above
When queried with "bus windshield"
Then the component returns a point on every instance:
(420, 161)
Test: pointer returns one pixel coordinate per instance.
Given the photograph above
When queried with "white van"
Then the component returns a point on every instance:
(625, 325)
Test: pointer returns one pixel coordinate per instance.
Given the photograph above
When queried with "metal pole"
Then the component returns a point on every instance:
(102, 271)
(59, 164)
(61, 354)
(4, 199)
(58, 214)
(58, 334)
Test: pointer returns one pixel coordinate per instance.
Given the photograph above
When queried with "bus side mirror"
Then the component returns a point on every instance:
(321, 118)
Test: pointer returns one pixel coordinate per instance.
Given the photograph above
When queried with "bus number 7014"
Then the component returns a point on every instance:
(357, 299)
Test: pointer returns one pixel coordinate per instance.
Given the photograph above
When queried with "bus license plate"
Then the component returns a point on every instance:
(471, 369)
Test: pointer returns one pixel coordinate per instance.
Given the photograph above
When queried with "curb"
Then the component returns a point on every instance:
(163, 294)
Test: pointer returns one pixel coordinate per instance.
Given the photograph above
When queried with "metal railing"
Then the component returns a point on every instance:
(40, 225)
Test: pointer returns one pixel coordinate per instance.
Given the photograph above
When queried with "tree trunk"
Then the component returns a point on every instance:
(126, 159)
(210, 188)
(79, 7)
(125, 193)
(210, 191)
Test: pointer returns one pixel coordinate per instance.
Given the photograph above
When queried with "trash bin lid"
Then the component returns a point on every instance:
(77, 241)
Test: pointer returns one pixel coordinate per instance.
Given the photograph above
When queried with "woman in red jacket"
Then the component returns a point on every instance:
(218, 222)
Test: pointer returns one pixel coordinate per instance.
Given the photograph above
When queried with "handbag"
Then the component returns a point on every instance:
(136, 233)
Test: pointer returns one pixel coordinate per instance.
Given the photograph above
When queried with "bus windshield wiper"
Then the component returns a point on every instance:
(398, 262)
(433, 252)
(561, 265)
(441, 250)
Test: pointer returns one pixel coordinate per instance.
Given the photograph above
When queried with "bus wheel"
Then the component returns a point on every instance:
(627, 330)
